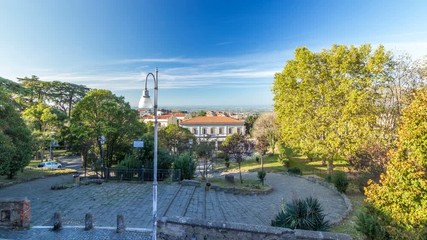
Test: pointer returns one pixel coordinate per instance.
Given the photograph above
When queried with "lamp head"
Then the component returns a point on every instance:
(145, 101)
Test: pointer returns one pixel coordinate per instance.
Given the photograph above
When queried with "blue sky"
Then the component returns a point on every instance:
(207, 52)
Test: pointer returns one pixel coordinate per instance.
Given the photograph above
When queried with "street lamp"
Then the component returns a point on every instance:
(101, 143)
(190, 141)
(145, 103)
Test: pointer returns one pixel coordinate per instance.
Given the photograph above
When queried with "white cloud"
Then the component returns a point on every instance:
(250, 70)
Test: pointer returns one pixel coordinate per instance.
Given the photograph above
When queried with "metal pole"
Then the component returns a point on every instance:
(154, 237)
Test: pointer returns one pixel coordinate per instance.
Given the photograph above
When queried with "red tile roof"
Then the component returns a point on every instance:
(211, 120)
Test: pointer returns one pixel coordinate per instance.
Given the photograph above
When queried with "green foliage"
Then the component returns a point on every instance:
(285, 156)
(130, 162)
(175, 138)
(325, 102)
(237, 147)
(249, 122)
(186, 164)
(295, 170)
(340, 181)
(301, 214)
(370, 223)
(101, 113)
(261, 176)
(402, 191)
(16, 143)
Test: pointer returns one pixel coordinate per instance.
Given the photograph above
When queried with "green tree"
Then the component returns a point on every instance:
(237, 146)
(44, 121)
(204, 151)
(65, 95)
(15, 140)
(101, 113)
(187, 166)
(175, 138)
(266, 127)
(325, 102)
(402, 191)
(249, 122)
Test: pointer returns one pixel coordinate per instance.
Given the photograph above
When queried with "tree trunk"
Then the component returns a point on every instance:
(330, 166)
(262, 168)
(240, 173)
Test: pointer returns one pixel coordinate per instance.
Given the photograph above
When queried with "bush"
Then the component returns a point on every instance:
(130, 162)
(339, 179)
(301, 214)
(284, 160)
(369, 223)
(295, 170)
(186, 165)
(261, 176)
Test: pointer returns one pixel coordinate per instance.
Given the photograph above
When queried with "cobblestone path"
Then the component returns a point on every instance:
(134, 201)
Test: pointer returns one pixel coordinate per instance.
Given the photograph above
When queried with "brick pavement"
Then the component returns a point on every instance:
(134, 201)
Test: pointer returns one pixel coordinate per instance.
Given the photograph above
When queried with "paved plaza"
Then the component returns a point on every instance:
(134, 201)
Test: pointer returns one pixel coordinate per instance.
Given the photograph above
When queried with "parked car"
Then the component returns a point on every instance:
(50, 165)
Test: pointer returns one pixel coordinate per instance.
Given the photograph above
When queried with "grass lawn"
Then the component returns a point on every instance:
(272, 165)
(252, 185)
(32, 172)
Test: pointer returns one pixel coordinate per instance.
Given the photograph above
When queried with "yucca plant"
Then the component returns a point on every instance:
(301, 214)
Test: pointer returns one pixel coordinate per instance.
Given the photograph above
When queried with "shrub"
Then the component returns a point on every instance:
(130, 162)
(295, 170)
(261, 176)
(186, 165)
(301, 214)
(339, 179)
(369, 223)
(284, 160)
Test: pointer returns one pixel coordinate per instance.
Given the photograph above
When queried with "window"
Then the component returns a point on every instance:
(220, 131)
(230, 130)
(195, 131)
(238, 130)
(212, 130)
(204, 131)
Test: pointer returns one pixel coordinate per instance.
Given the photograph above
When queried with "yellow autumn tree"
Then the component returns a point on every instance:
(402, 191)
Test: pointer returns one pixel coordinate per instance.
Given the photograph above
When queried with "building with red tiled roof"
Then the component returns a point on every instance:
(166, 119)
(214, 127)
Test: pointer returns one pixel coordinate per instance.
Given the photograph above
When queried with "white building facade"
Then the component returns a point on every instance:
(213, 127)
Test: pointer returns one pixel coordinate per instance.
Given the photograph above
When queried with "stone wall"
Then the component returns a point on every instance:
(15, 212)
(180, 228)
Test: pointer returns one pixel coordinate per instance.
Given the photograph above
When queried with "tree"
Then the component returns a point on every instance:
(175, 138)
(249, 122)
(65, 95)
(204, 151)
(402, 191)
(401, 78)
(261, 145)
(325, 102)
(237, 147)
(101, 113)
(44, 121)
(15, 140)
(266, 127)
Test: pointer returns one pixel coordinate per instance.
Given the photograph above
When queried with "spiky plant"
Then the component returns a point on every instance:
(301, 214)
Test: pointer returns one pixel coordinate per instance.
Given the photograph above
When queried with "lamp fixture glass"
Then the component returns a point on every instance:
(145, 101)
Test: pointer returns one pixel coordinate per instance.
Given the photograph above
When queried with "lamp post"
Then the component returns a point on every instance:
(190, 141)
(145, 103)
(101, 143)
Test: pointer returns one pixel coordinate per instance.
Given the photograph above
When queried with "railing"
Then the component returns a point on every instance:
(143, 174)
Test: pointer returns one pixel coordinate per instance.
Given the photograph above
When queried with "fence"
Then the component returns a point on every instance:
(142, 174)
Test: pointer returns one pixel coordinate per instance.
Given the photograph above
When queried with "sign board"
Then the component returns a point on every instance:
(138, 144)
